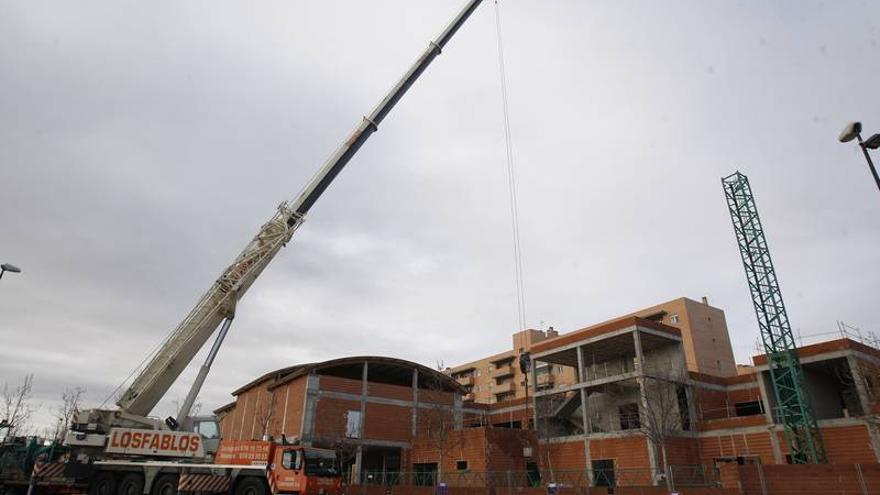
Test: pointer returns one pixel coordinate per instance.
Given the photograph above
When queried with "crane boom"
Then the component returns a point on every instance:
(219, 302)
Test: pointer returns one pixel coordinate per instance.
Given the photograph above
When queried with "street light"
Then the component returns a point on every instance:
(854, 131)
(6, 267)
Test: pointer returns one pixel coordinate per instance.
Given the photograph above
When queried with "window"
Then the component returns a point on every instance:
(478, 372)
(629, 417)
(461, 465)
(291, 459)
(752, 408)
(207, 429)
(685, 413)
(673, 318)
(321, 463)
(353, 424)
(603, 471)
(424, 473)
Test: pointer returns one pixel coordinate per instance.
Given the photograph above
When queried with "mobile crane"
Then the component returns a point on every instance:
(108, 440)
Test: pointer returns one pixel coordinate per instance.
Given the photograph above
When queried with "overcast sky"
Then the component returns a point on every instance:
(142, 144)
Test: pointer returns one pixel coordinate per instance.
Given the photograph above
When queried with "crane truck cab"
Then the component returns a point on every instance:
(288, 467)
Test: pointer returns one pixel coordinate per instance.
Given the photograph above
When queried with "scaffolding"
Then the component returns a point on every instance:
(794, 407)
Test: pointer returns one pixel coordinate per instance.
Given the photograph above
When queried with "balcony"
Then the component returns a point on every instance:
(503, 371)
(546, 380)
(465, 381)
(504, 388)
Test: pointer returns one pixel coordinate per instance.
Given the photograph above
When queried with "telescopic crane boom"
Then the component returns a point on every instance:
(219, 302)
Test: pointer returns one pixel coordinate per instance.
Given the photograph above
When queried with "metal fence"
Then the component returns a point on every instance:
(679, 476)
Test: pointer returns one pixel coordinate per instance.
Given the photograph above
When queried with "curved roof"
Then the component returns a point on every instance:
(379, 369)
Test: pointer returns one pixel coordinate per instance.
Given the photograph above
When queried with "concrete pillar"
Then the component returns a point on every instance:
(356, 468)
(364, 392)
(585, 418)
(865, 402)
(640, 378)
(307, 429)
(768, 413)
(415, 400)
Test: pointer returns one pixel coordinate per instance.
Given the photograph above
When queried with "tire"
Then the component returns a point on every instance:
(131, 484)
(251, 486)
(165, 485)
(102, 483)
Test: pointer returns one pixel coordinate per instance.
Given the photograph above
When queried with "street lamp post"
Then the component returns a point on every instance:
(6, 267)
(854, 131)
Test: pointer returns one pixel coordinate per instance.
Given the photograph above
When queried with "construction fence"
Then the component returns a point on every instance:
(802, 479)
(546, 481)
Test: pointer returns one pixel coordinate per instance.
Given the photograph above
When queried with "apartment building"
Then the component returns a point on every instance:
(499, 378)
(705, 341)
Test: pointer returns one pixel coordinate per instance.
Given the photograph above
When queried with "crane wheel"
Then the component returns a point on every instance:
(251, 486)
(103, 483)
(131, 484)
(165, 485)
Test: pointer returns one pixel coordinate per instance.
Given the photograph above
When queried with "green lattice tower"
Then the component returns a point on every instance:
(795, 408)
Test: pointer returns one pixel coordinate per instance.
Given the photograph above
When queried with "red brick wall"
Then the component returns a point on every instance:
(331, 416)
(784, 479)
(563, 455)
(682, 451)
(848, 444)
(252, 408)
(466, 445)
(294, 394)
(336, 384)
(739, 444)
(627, 452)
(389, 391)
(505, 448)
(387, 422)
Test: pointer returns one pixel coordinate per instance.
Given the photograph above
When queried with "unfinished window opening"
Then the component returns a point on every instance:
(684, 410)
(461, 465)
(751, 408)
(629, 417)
(603, 472)
(353, 424)
(424, 473)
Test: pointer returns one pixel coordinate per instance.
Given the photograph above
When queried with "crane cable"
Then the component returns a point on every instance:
(511, 178)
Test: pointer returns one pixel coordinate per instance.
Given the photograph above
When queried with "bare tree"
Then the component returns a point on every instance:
(71, 399)
(663, 410)
(265, 415)
(346, 448)
(17, 405)
(438, 424)
(548, 426)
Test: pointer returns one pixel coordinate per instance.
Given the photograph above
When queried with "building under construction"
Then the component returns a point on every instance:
(651, 394)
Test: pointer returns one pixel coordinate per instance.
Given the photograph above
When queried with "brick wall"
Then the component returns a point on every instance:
(682, 451)
(824, 479)
(563, 456)
(337, 384)
(331, 416)
(737, 445)
(387, 422)
(848, 444)
(389, 391)
(292, 398)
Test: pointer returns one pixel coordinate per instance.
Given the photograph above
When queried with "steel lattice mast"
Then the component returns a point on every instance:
(794, 406)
